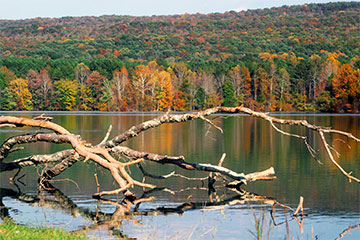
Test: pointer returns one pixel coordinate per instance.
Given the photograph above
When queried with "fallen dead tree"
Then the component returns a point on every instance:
(110, 155)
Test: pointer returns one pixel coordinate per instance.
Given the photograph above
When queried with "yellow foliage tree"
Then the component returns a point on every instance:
(19, 89)
(66, 91)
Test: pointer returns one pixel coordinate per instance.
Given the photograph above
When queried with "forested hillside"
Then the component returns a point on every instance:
(303, 57)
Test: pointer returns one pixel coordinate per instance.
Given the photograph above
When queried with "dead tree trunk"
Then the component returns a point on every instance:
(104, 153)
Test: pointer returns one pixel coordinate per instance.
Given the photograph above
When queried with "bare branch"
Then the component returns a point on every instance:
(97, 183)
(20, 122)
(264, 175)
(106, 136)
(59, 168)
(6, 147)
(223, 156)
(97, 195)
(7, 125)
(145, 173)
(172, 174)
(348, 175)
(212, 124)
(180, 162)
(348, 230)
(300, 207)
(349, 135)
(130, 153)
(43, 117)
(16, 149)
(36, 160)
(335, 151)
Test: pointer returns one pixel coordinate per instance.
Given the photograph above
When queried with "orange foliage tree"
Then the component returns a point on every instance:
(346, 85)
(164, 91)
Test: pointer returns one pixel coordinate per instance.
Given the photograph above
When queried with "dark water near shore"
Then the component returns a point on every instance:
(331, 202)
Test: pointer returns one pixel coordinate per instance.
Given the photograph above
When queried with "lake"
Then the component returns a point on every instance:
(183, 209)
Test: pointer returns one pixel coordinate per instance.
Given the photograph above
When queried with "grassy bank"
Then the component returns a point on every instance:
(9, 230)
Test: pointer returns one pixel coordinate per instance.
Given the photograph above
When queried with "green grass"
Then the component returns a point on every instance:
(10, 230)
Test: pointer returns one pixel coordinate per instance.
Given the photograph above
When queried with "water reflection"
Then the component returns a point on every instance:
(50, 197)
(251, 145)
(114, 222)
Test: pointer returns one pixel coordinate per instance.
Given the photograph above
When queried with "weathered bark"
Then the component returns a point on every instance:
(59, 168)
(180, 162)
(6, 147)
(37, 160)
(21, 122)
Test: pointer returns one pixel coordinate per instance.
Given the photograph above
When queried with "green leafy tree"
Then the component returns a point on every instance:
(213, 100)
(185, 90)
(200, 98)
(229, 99)
(2, 81)
(7, 100)
(325, 102)
(262, 88)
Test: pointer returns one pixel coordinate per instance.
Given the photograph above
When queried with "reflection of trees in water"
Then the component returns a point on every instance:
(126, 210)
(50, 197)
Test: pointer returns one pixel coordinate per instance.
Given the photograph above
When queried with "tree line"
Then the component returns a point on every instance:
(273, 82)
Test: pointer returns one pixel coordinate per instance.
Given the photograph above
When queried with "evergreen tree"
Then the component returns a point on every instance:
(229, 99)
(200, 98)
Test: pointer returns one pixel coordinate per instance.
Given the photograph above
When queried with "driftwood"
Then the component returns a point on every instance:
(106, 154)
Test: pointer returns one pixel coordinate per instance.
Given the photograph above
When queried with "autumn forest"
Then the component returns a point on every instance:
(290, 58)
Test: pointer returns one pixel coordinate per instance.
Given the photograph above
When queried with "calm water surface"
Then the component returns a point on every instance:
(332, 204)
